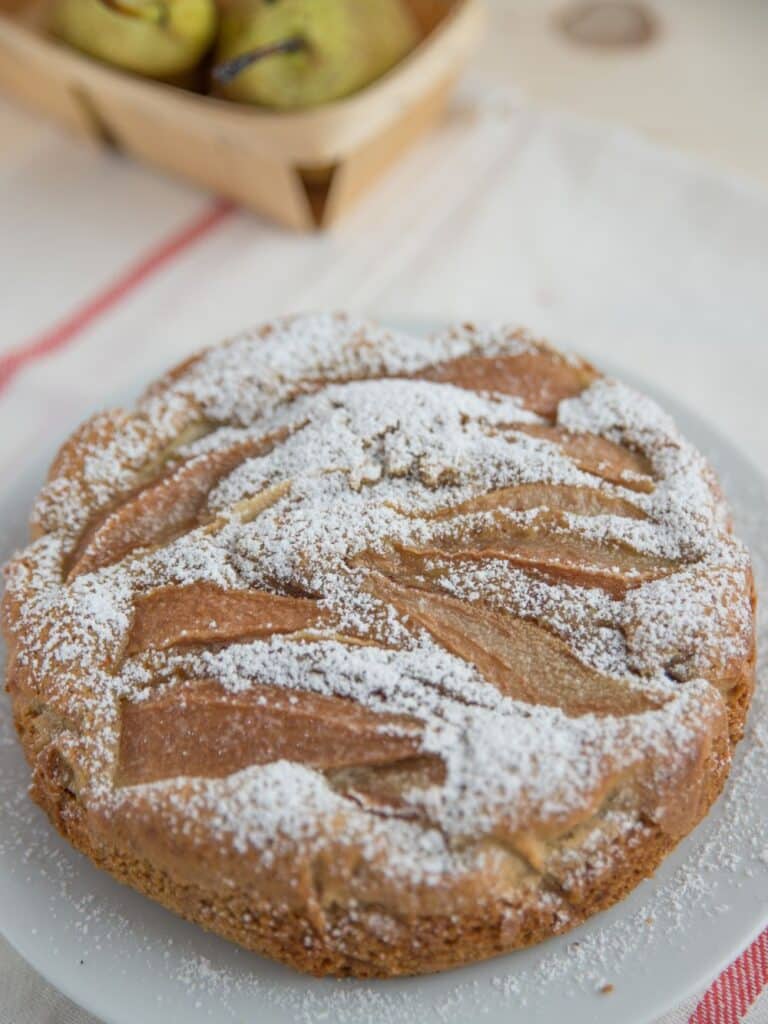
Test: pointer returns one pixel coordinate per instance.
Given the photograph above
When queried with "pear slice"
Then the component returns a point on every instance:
(521, 659)
(540, 378)
(201, 729)
(163, 508)
(202, 613)
(548, 548)
(597, 455)
(584, 501)
(384, 787)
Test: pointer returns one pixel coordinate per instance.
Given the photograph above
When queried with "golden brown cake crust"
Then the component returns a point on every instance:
(422, 944)
(380, 655)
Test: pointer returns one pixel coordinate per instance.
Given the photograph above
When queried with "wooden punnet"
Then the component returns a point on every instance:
(303, 169)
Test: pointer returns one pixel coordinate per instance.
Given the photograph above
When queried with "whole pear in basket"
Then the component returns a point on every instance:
(301, 53)
(158, 38)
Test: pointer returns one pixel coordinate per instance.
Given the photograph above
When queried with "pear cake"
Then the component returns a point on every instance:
(380, 654)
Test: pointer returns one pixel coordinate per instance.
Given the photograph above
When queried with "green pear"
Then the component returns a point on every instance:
(301, 53)
(157, 38)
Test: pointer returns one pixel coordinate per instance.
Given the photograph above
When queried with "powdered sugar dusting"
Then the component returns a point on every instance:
(365, 466)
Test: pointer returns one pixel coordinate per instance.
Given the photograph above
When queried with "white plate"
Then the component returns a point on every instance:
(127, 960)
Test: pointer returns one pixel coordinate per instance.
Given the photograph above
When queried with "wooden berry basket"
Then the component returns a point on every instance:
(303, 169)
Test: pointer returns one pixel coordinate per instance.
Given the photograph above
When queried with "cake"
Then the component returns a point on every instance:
(380, 654)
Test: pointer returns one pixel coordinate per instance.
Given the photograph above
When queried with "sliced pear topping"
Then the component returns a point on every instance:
(162, 509)
(385, 786)
(540, 378)
(584, 501)
(546, 547)
(204, 730)
(202, 613)
(522, 660)
(597, 455)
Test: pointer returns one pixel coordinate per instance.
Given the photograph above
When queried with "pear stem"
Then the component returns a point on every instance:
(230, 69)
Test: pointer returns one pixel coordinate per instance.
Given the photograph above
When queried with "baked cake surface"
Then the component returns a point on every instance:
(380, 654)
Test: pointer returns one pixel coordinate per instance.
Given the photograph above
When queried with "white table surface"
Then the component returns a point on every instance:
(582, 230)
